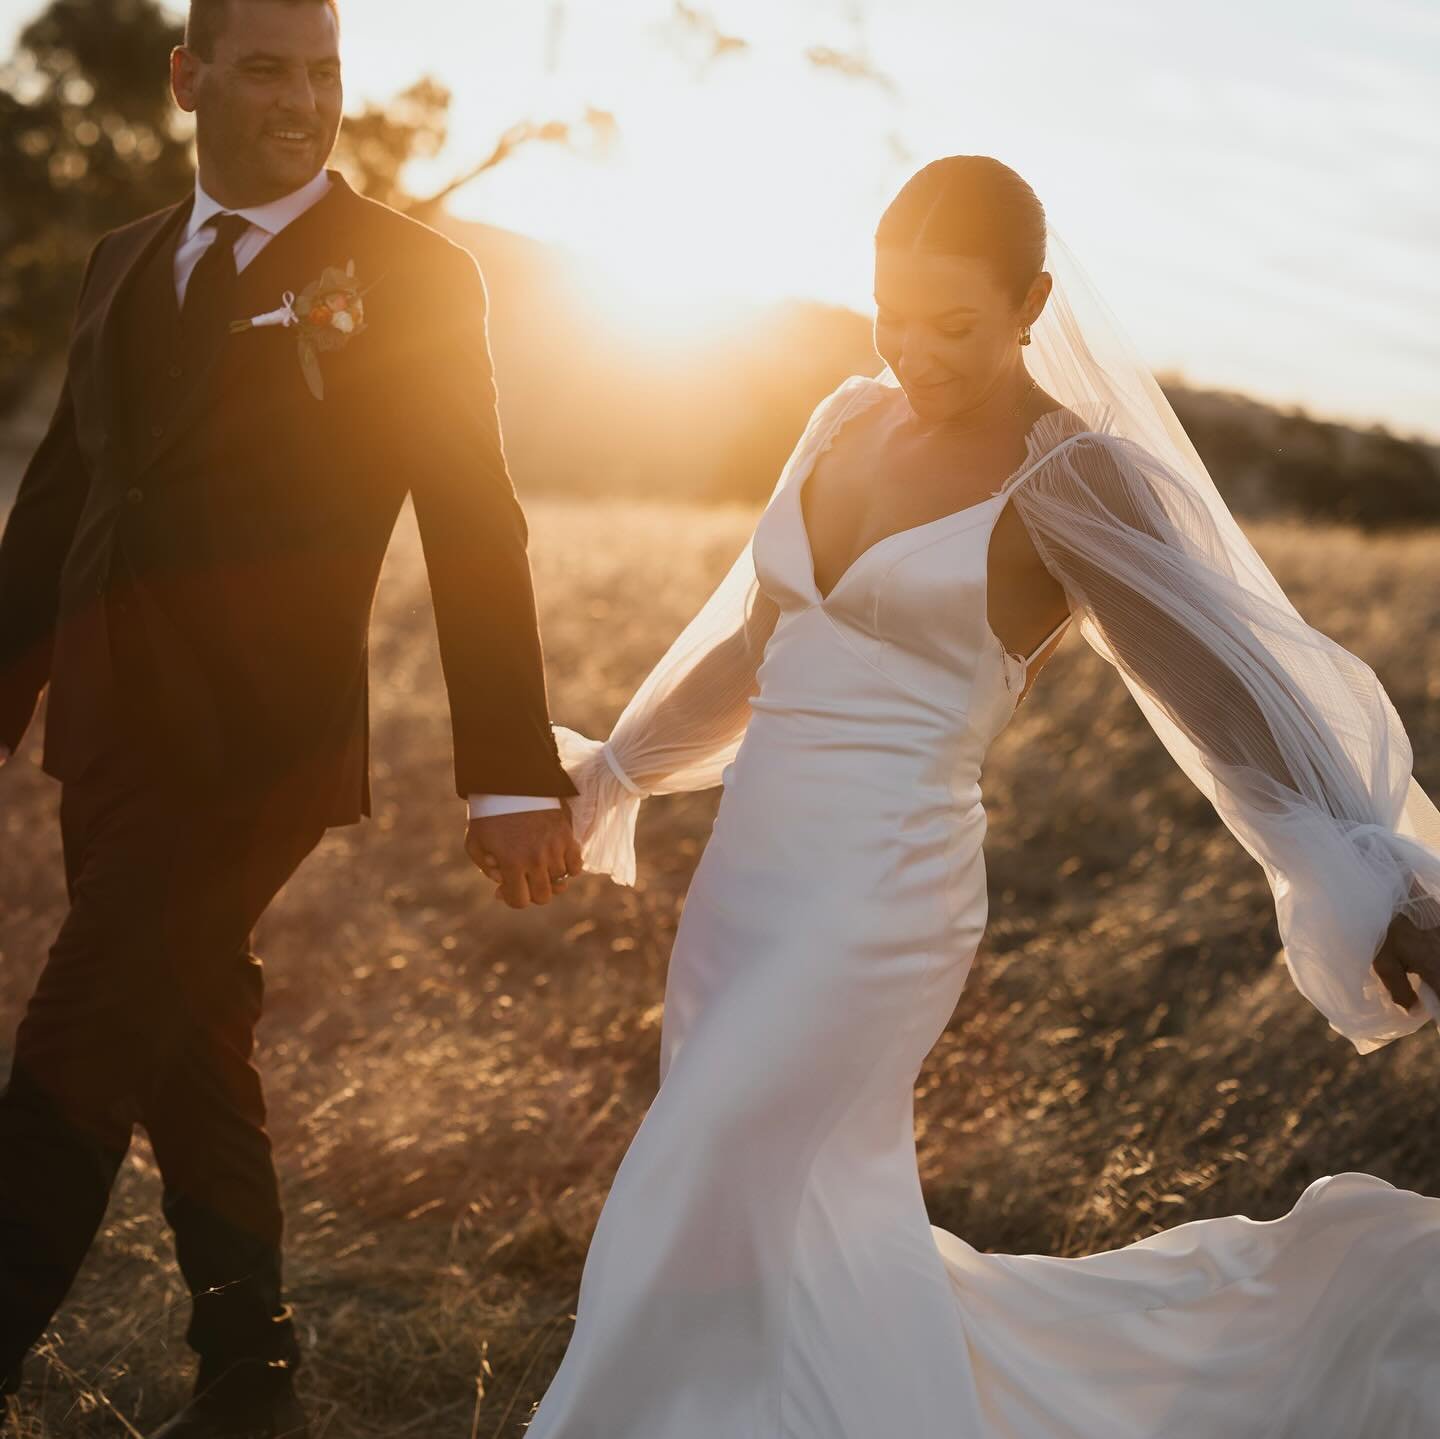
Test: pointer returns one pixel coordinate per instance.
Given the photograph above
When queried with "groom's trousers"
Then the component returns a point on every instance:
(145, 1014)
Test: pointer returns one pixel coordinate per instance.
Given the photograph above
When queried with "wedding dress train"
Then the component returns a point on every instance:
(764, 1267)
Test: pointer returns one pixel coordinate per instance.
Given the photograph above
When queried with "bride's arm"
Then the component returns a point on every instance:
(1291, 737)
(686, 721)
(681, 728)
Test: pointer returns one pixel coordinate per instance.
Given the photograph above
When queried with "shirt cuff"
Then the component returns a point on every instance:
(486, 806)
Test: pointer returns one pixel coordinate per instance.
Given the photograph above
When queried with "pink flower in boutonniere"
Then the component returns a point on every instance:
(329, 313)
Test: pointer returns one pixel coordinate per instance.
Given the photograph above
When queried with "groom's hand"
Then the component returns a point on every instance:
(529, 855)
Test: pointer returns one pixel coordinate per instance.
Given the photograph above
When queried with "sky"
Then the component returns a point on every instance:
(1253, 185)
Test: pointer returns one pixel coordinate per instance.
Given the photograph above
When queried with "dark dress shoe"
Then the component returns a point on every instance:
(248, 1401)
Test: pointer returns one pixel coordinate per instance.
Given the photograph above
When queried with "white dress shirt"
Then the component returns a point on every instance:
(267, 221)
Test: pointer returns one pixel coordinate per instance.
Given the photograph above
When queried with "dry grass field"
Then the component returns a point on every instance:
(452, 1084)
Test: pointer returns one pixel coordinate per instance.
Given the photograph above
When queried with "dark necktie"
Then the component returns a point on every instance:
(209, 297)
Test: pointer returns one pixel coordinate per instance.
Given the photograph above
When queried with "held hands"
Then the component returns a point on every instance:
(1407, 950)
(530, 855)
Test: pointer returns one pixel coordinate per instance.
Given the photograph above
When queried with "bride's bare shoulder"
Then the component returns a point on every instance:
(1060, 421)
(869, 407)
(1054, 429)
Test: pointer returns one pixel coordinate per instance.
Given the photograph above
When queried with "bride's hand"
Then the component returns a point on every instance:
(1408, 950)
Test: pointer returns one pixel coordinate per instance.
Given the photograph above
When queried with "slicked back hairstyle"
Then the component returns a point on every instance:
(206, 22)
(972, 206)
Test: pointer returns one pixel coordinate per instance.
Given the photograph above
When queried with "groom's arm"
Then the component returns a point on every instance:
(475, 541)
(33, 548)
(32, 554)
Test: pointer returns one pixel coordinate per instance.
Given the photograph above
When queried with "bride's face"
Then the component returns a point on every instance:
(946, 328)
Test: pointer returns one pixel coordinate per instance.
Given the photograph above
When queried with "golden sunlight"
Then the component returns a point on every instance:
(727, 187)
(657, 295)
(758, 144)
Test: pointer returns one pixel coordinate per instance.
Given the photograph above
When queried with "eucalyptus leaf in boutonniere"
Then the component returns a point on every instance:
(329, 313)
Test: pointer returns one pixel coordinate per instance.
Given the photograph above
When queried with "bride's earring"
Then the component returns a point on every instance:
(1025, 334)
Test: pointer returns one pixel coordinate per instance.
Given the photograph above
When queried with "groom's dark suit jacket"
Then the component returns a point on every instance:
(194, 550)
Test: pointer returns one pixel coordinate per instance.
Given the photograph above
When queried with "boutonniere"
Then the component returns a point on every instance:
(329, 313)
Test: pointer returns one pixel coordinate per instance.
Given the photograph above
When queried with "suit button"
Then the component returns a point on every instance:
(176, 372)
(157, 431)
(135, 496)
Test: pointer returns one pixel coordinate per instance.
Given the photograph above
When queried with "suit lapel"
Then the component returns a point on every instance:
(297, 254)
(97, 334)
(290, 261)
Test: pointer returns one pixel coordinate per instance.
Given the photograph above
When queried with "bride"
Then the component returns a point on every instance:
(763, 1267)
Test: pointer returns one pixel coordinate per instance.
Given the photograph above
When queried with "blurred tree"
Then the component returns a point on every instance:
(595, 135)
(695, 36)
(376, 145)
(852, 64)
(88, 140)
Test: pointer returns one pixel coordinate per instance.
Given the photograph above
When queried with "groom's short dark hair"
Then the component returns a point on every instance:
(206, 22)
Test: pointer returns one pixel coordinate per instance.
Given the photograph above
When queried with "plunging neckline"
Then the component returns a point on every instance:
(823, 598)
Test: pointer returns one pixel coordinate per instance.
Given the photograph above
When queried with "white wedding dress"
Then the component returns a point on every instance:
(763, 1267)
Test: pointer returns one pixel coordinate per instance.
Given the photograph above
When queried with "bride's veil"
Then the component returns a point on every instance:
(1084, 358)
(1292, 738)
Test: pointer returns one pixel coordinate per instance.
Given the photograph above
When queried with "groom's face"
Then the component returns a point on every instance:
(267, 102)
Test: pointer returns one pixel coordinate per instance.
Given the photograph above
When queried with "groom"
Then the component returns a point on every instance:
(190, 565)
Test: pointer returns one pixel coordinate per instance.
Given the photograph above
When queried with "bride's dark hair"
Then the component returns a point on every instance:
(974, 206)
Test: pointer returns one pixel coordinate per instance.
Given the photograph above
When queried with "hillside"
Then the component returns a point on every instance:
(590, 409)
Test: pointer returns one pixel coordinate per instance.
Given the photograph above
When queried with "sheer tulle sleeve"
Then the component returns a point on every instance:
(685, 722)
(1291, 737)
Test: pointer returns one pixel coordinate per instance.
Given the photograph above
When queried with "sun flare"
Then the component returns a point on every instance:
(654, 294)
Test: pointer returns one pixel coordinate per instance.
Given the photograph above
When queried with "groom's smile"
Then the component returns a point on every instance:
(295, 144)
(263, 80)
